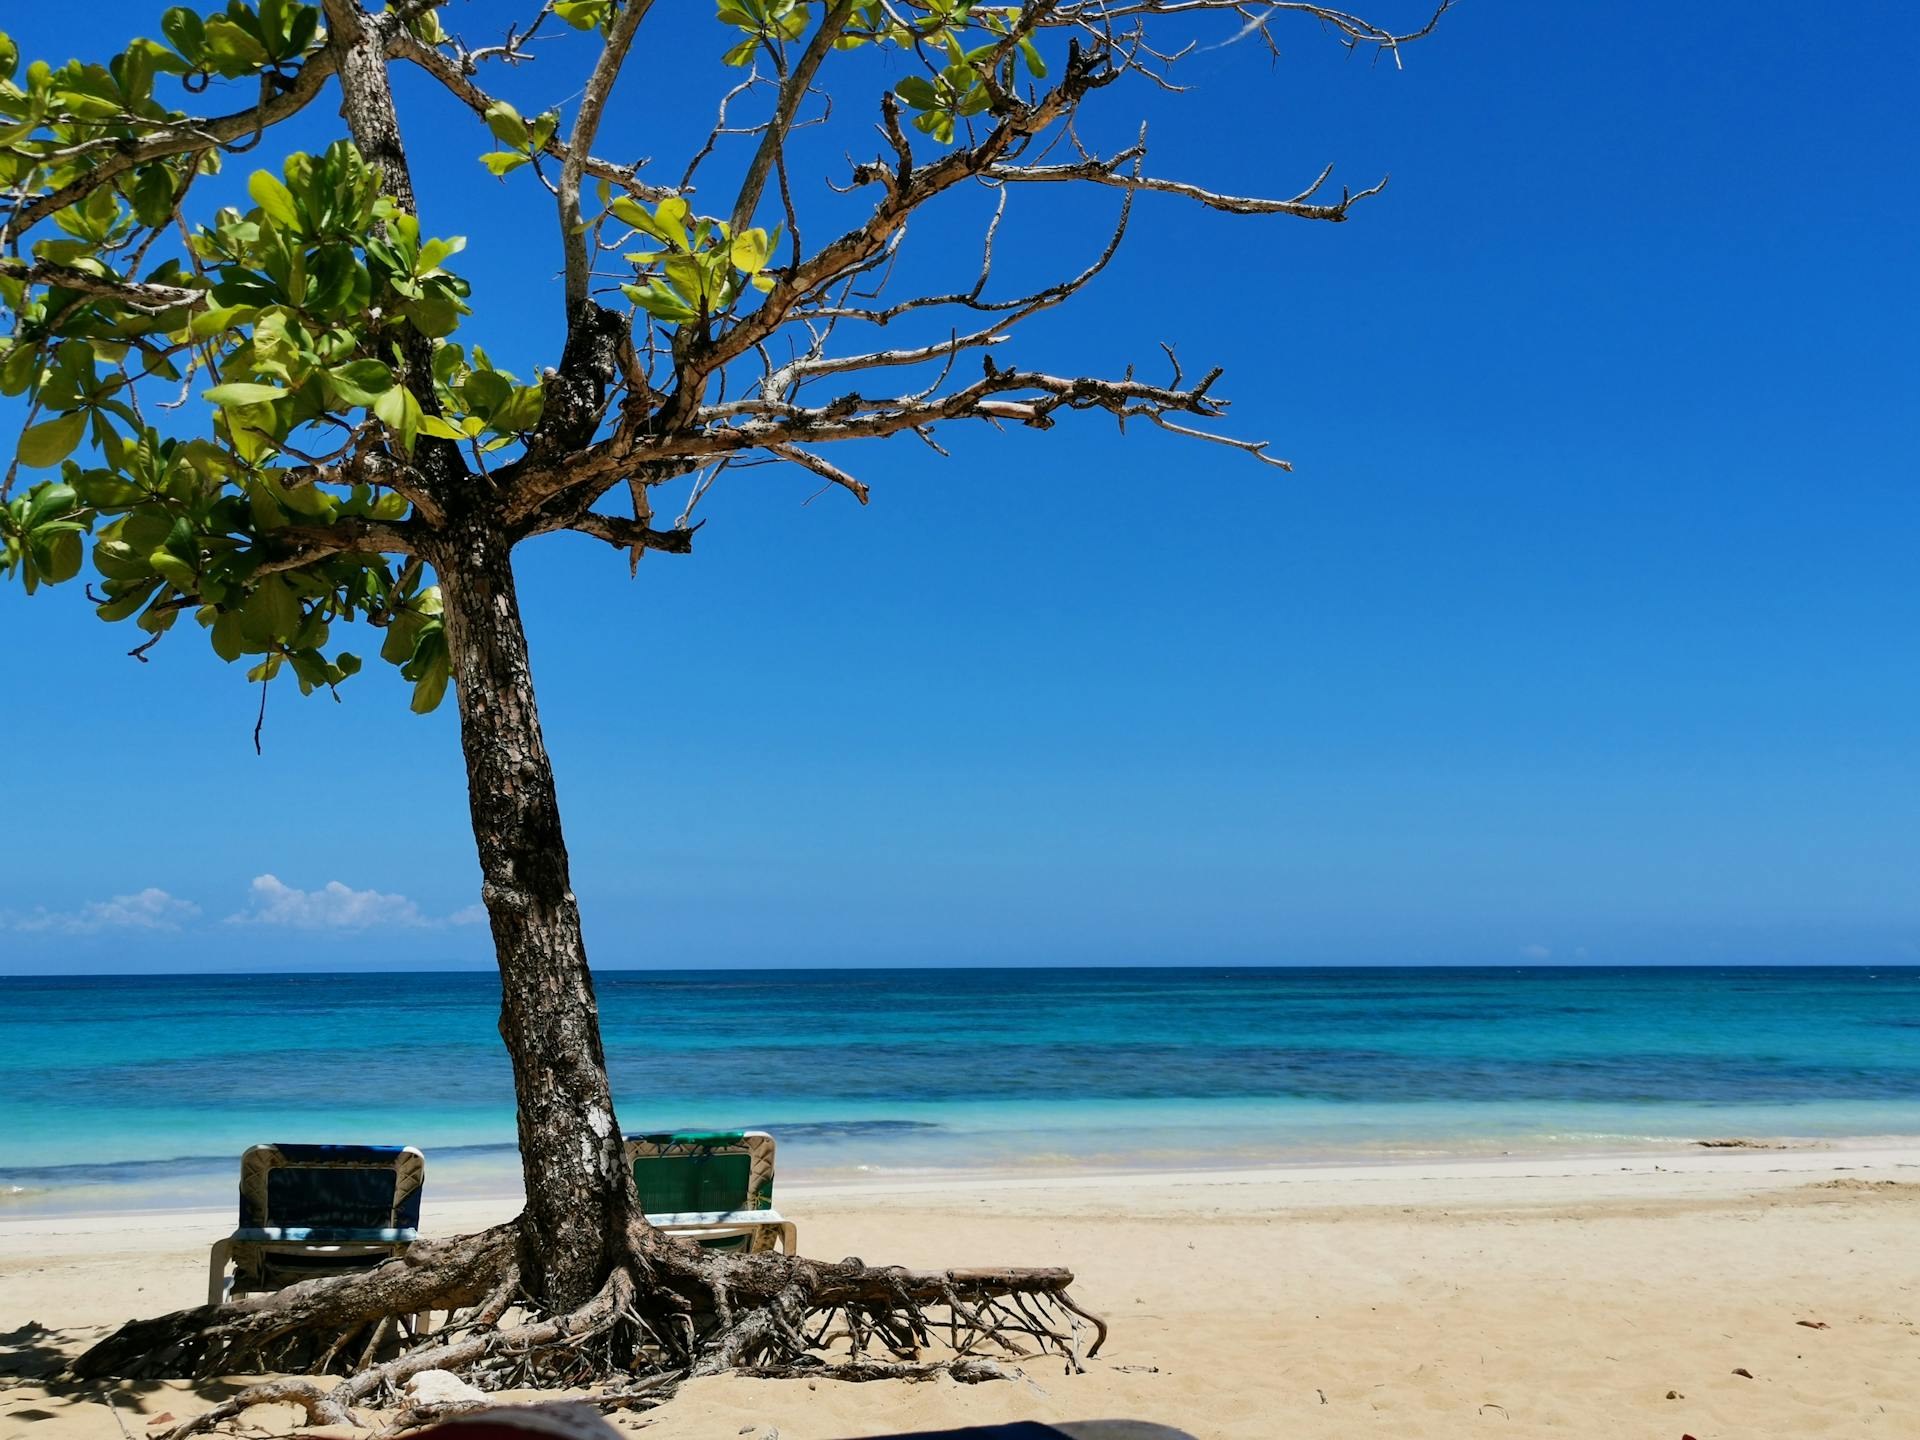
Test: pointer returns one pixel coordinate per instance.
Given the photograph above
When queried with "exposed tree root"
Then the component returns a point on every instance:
(668, 1310)
(304, 1325)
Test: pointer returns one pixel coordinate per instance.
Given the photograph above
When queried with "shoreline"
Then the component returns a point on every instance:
(1698, 1168)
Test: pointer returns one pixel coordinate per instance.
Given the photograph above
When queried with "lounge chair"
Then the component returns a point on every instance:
(308, 1210)
(714, 1186)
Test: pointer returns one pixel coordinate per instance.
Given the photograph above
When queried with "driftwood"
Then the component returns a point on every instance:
(671, 1310)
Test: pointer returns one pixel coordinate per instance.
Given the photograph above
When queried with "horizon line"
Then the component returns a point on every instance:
(937, 967)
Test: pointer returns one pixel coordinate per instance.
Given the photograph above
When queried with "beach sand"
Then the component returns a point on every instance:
(1578, 1297)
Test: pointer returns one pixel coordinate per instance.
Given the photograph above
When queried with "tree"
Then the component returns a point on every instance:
(354, 462)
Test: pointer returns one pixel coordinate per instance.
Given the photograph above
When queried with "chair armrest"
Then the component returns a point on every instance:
(217, 1271)
(708, 1219)
(321, 1235)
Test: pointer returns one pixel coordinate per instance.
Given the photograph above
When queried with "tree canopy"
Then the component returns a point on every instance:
(258, 411)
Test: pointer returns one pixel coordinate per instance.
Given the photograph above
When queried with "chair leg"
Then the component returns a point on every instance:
(217, 1271)
(788, 1232)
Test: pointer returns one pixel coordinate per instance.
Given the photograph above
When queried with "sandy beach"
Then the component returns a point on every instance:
(1576, 1297)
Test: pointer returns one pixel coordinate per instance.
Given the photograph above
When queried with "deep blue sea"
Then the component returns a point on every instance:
(131, 1092)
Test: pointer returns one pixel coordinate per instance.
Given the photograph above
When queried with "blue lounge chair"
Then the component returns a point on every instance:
(714, 1186)
(308, 1210)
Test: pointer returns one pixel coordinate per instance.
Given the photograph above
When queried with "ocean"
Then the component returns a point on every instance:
(123, 1093)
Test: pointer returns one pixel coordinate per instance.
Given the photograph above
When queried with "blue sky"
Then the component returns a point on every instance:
(1584, 630)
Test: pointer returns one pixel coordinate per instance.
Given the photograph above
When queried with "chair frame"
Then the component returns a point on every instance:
(246, 1249)
(764, 1226)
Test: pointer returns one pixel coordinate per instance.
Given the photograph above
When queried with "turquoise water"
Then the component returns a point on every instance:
(128, 1092)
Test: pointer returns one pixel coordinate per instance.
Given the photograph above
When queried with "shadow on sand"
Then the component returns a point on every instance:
(32, 1358)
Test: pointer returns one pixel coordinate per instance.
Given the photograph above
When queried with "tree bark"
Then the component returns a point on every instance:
(580, 1196)
(366, 97)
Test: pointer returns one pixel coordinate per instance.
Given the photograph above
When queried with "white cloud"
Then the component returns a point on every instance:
(336, 906)
(1536, 952)
(150, 909)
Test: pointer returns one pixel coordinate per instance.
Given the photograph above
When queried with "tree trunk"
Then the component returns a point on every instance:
(580, 1195)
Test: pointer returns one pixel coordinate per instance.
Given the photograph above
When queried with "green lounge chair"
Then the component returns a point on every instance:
(714, 1186)
(308, 1210)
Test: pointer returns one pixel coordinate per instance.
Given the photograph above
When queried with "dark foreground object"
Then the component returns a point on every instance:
(578, 1422)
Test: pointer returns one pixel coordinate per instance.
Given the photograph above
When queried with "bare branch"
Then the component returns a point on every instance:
(351, 536)
(449, 74)
(625, 534)
(1025, 397)
(1352, 30)
(1104, 172)
(824, 469)
(148, 298)
(907, 189)
(585, 124)
(792, 90)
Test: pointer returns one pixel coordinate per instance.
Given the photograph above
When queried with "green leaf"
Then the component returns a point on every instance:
(582, 14)
(750, 250)
(60, 557)
(507, 126)
(399, 409)
(49, 502)
(124, 605)
(153, 192)
(431, 689)
(403, 637)
(51, 441)
(503, 162)
(271, 612)
(521, 409)
(430, 667)
(232, 51)
(360, 382)
(918, 92)
(242, 392)
(187, 32)
(102, 488)
(672, 215)
(117, 560)
(18, 369)
(434, 251)
(274, 199)
(158, 617)
(176, 571)
(434, 314)
(229, 640)
(661, 303)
